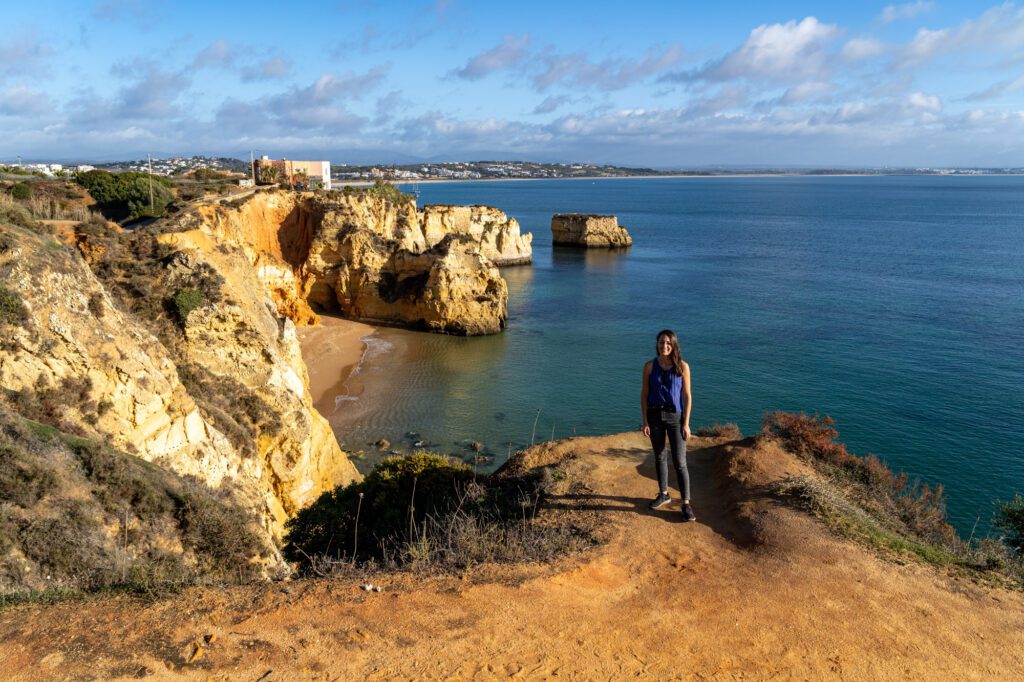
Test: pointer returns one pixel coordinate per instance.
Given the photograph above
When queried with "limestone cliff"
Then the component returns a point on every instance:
(374, 258)
(219, 394)
(591, 231)
(497, 234)
(379, 261)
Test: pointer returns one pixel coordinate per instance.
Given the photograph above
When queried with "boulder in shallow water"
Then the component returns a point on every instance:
(588, 231)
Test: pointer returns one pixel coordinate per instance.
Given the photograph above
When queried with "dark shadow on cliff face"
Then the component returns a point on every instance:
(295, 234)
(411, 288)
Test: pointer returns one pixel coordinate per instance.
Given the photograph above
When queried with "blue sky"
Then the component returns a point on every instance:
(668, 84)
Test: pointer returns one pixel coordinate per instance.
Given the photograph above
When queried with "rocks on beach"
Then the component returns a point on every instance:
(588, 231)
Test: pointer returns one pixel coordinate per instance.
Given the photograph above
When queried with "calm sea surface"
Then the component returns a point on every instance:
(893, 304)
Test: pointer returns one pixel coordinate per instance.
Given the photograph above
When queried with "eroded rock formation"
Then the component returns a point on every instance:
(222, 396)
(590, 231)
(176, 343)
(373, 258)
(496, 234)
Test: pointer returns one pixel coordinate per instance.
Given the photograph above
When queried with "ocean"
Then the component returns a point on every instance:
(893, 304)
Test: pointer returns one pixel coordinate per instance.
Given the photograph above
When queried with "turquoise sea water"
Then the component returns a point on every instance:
(893, 304)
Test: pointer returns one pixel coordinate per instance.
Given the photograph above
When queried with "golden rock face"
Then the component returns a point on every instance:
(588, 231)
(272, 256)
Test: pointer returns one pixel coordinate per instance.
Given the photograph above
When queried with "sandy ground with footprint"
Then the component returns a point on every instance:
(752, 590)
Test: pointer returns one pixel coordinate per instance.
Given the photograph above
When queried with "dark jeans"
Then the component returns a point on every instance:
(663, 423)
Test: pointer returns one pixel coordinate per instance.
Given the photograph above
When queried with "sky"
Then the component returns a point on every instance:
(673, 84)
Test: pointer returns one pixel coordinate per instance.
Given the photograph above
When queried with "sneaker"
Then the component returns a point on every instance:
(688, 514)
(660, 501)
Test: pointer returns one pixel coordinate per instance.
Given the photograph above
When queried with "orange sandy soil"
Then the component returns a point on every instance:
(752, 590)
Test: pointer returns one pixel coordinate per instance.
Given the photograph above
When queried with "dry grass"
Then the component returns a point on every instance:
(863, 499)
(426, 513)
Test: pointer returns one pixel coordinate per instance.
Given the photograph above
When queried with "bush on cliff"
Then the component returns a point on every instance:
(1010, 519)
(427, 512)
(391, 501)
(12, 308)
(122, 196)
(77, 514)
(21, 191)
(382, 189)
(917, 509)
(185, 301)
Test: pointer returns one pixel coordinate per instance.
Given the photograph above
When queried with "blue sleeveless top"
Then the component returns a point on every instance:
(664, 387)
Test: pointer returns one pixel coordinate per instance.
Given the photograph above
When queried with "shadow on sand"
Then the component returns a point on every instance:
(712, 499)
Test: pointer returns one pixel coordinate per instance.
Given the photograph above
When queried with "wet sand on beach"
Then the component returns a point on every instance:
(331, 350)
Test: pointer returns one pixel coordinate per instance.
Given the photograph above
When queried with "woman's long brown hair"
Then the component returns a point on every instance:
(677, 360)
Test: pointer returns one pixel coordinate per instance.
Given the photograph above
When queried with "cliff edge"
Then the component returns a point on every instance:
(755, 588)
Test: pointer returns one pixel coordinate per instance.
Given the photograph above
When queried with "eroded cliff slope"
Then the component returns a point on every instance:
(373, 257)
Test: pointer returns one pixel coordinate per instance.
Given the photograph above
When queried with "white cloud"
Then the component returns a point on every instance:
(22, 56)
(864, 47)
(807, 92)
(329, 86)
(217, 53)
(920, 102)
(21, 100)
(577, 71)
(778, 52)
(268, 69)
(997, 89)
(908, 10)
(550, 104)
(505, 55)
(1000, 27)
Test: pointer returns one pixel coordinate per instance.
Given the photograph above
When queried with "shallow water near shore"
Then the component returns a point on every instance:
(894, 304)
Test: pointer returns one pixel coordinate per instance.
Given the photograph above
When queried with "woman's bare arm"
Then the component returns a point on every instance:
(643, 397)
(687, 399)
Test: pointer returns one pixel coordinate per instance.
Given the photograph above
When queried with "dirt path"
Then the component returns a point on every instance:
(752, 590)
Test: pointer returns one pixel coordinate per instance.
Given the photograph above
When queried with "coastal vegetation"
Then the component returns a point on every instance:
(1010, 519)
(127, 196)
(76, 514)
(431, 513)
(383, 190)
(860, 497)
(42, 199)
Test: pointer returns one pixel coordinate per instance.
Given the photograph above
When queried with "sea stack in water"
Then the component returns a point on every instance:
(588, 231)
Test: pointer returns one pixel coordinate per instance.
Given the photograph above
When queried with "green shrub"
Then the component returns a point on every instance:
(389, 193)
(123, 196)
(67, 544)
(21, 191)
(20, 216)
(1010, 518)
(392, 501)
(219, 534)
(24, 478)
(122, 481)
(916, 511)
(12, 309)
(185, 301)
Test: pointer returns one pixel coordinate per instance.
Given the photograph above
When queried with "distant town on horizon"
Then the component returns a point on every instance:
(483, 169)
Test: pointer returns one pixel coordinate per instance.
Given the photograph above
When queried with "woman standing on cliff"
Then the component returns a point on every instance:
(666, 402)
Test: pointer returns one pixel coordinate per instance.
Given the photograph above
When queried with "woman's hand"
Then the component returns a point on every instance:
(646, 429)
(686, 432)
